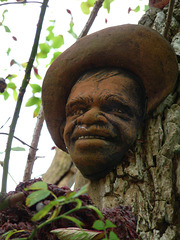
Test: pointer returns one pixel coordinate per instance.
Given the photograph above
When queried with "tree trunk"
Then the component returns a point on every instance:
(62, 171)
(148, 178)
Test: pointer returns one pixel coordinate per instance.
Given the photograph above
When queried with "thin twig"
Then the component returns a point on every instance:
(21, 94)
(39, 124)
(91, 19)
(5, 123)
(19, 140)
(8, 3)
(169, 18)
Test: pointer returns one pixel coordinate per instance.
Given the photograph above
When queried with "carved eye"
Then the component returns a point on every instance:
(78, 112)
(117, 110)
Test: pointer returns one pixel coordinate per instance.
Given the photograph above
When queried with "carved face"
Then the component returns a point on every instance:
(101, 123)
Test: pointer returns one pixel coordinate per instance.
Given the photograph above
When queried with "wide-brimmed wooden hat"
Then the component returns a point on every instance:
(135, 48)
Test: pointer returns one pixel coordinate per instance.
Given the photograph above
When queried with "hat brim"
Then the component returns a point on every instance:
(136, 48)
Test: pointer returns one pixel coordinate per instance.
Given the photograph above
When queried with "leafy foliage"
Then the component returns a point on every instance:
(68, 214)
(86, 6)
(6, 28)
(10, 85)
(52, 42)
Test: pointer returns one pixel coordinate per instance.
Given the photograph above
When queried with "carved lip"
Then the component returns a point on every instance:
(91, 137)
(101, 134)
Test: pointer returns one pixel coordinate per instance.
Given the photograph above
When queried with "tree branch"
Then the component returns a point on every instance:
(5, 123)
(8, 3)
(97, 6)
(19, 140)
(21, 94)
(34, 143)
(169, 18)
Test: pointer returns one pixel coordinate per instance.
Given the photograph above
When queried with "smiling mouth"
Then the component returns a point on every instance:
(92, 137)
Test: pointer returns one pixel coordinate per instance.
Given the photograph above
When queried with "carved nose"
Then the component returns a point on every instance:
(93, 116)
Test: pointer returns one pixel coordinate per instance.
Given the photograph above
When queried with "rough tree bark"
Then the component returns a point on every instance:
(149, 177)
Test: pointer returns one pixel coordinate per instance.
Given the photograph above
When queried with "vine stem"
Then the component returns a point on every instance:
(40, 121)
(169, 18)
(21, 95)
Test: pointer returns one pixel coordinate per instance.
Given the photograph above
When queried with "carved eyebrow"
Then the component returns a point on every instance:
(118, 100)
(79, 100)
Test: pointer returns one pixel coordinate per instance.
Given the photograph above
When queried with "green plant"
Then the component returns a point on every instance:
(51, 212)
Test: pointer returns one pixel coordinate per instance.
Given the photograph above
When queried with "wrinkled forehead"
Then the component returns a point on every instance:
(108, 79)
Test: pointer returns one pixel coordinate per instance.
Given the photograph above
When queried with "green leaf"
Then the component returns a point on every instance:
(146, 7)
(36, 111)
(38, 76)
(36, 197)
(80, 192)
(24, 65)
(113, 236)
(8, 51)
(18, 149)
(106, 4)
(3, 14)
(11, 76)
(99, 225)
(55, 55)
(15, 95)
(6, 95)
(73, 233)
(45, 48)
(35, 88)
(11, 85)
(32, 101)
(44, 211)
(137, 9)
(71, 31)
(91, 2)
(51, 34)
(40, 185)
(109, 224)
(57, 41)
(85, 8)
(50, 28)
(7, 29)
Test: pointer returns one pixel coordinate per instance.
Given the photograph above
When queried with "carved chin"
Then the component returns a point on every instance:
(96, 165)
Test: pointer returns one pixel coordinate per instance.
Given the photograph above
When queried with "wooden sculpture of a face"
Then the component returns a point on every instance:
(103, 113)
